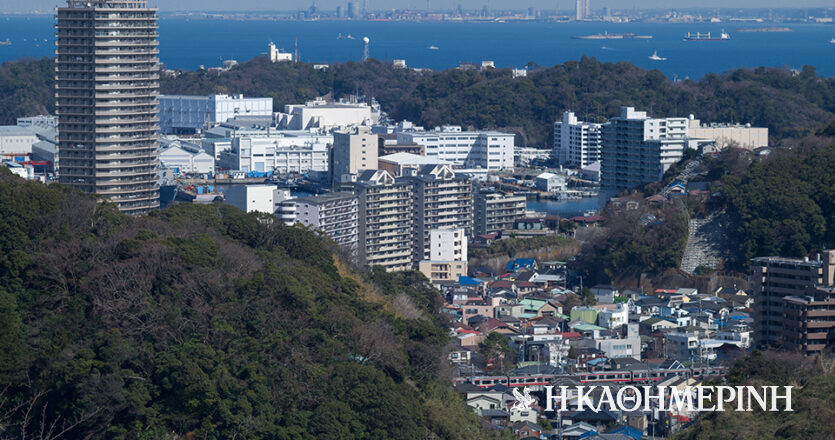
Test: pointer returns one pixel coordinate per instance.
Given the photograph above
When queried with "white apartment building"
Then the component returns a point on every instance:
(285, 207)
(252, 198)
(280, 153)
(576, 143)
(490, 150)
(448, 255)
(335, 214)
(638, 149)
(327, 116)
(442, 200)
(448, 244)
(189, 114)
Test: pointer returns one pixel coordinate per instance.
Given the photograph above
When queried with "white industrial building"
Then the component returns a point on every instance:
(16, 141)
(550, 182)
(276, 55)
(324, 115)
(252, 198)
(576, 143)
(38, 121)
(399, 164)
(638, 149)
(490, 150)
(725, 135)
(280, 153)
(186, 158)
(190, 114)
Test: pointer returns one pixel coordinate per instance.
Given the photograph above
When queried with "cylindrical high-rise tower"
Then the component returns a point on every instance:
(107, 88)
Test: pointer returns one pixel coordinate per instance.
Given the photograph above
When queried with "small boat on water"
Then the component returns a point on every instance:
(432, 47)
(351, 37)
(6, 43)
(655, 57)
(832, 41)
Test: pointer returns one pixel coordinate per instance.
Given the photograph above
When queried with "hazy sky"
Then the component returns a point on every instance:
(47, 5)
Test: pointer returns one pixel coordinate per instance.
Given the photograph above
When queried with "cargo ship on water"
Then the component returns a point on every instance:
(698, 36)
(608, 36)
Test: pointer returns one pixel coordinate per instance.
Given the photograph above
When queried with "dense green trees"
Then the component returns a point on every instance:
(784, 206)
(789, 104)
(631, 247)
(813, 401)
(204, 322)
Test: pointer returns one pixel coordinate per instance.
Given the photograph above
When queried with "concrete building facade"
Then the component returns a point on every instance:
(490, 150)
(190, 114)
(323, 115)
(107, 84)
(252, 198)
(495, 212)
(637, 149)
(353, 151)
(335, 214)
(16, 141)
(279, 153)
(725, 135)
(385, 221)
(774, 278)
(576, 143)
(809, 321)
(442, 200)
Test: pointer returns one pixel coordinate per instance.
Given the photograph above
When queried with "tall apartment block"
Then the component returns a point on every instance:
(442, 200)
(335, 214)
(495, 212)
(809, 321)
(385, 221)
(638, 149)
(773, 279)
(107, 84)
(576, 143)
(353, 151)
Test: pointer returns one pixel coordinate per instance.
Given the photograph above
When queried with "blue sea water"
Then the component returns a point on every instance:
(187, 44)
(564, 208)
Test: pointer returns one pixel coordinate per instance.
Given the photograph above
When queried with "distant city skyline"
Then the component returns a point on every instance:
(564, 5)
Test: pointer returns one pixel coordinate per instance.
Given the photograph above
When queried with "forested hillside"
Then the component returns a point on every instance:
(783, 206)
(205, 322)
(789, 103)
(813, 401)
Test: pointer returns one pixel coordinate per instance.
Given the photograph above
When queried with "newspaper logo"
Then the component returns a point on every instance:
(523, 399)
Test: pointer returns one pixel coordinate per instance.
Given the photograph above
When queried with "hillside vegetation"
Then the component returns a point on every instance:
(790, 104)
(813, 401)
(784, 206)
(206, 322)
